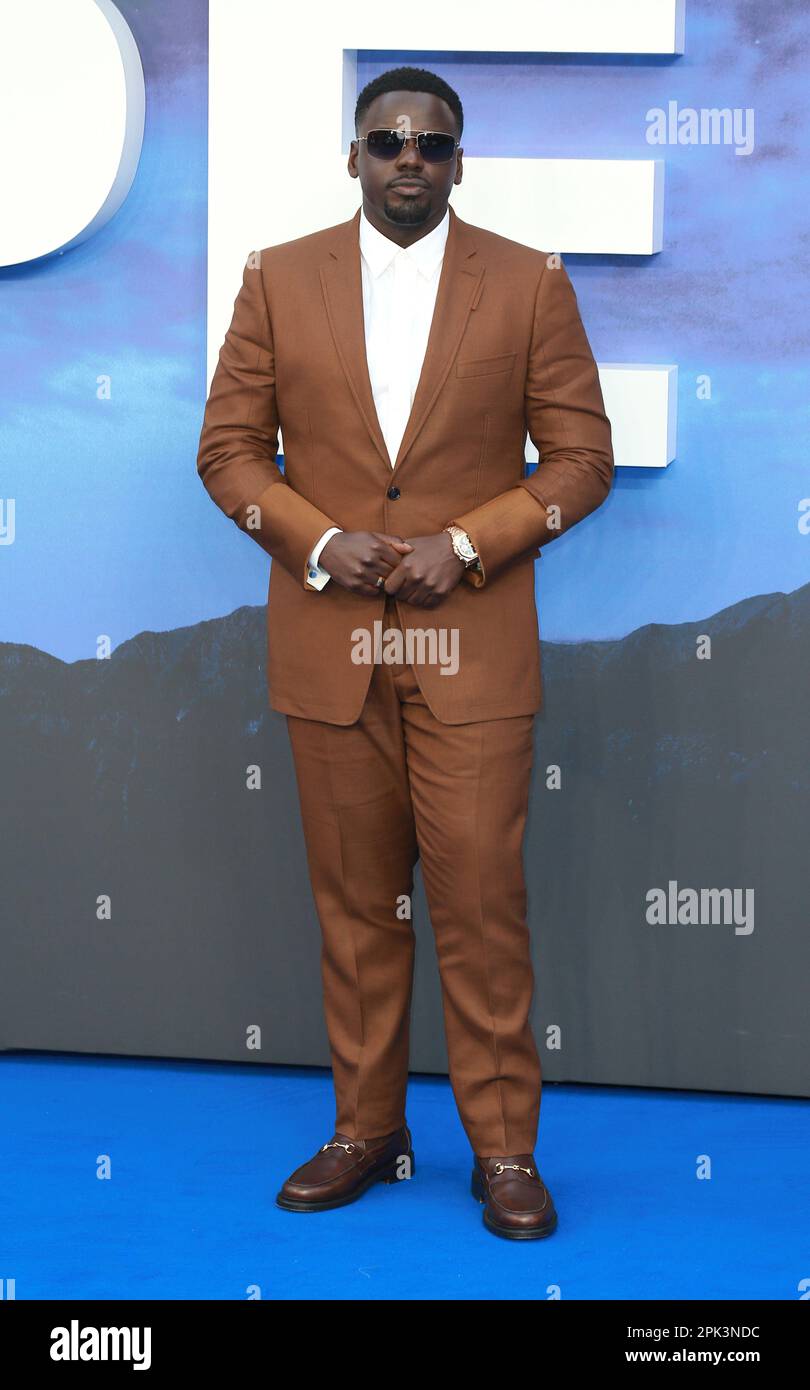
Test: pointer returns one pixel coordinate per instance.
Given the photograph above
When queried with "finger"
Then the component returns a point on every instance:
(369, 588)
(428, 597)
(396, 581)
(397, 543)
(380, 568)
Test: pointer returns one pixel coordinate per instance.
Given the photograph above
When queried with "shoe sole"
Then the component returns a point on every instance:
(507, 1233)
(389, 1176)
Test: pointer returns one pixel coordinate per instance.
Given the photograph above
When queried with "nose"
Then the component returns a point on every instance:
(409, 155)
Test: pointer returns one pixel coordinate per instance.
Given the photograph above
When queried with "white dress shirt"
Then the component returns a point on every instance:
(400, 284)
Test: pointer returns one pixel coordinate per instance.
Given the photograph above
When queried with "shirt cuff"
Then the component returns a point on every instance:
(317, 576)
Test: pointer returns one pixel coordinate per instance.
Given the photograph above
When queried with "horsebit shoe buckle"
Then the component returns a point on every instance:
(501, 1167)
(336, 1144)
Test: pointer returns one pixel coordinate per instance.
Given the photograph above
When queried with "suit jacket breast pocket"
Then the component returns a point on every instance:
(486, 366)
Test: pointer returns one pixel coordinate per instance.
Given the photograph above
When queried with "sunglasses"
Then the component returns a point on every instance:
(434, 146)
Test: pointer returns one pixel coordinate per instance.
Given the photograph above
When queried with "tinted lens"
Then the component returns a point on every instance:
(436, 148)
(383, 144)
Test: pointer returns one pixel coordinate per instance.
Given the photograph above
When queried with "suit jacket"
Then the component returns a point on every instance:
(507, 351)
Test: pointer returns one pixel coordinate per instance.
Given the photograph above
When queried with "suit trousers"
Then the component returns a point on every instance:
(396, 786)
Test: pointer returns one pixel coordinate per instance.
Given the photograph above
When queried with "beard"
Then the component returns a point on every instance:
(408, 212)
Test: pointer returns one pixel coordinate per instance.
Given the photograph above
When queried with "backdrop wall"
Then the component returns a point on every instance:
(154, 901)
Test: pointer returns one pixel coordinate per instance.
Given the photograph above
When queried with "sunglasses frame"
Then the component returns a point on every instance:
(403, 140)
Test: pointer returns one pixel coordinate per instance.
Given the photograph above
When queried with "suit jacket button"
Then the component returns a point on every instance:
(393, 493)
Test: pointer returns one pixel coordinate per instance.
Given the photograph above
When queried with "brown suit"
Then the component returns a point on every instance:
(507, 351)
(383, 780)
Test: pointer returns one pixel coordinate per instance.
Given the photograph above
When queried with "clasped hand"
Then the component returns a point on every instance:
(422, 570)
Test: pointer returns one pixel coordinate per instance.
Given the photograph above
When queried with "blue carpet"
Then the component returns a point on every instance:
(198, 1151)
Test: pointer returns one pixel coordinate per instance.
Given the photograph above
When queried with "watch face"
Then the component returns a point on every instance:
(463, 546)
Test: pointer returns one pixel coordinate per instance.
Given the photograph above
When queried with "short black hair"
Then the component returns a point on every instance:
(408, 80)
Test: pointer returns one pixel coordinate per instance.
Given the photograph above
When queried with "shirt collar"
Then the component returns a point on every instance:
(378, 250)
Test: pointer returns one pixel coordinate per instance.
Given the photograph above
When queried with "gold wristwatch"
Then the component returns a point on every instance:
(463, 547)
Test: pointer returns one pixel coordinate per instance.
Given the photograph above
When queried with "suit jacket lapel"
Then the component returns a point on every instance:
(460, 284)
(342, 288)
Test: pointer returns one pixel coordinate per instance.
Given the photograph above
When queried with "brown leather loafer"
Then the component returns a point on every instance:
(342, 1170)
(517, 1204)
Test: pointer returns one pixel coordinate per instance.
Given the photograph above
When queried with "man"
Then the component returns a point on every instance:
(404, 354)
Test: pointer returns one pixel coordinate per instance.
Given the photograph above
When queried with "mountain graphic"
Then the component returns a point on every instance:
(127, 782)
